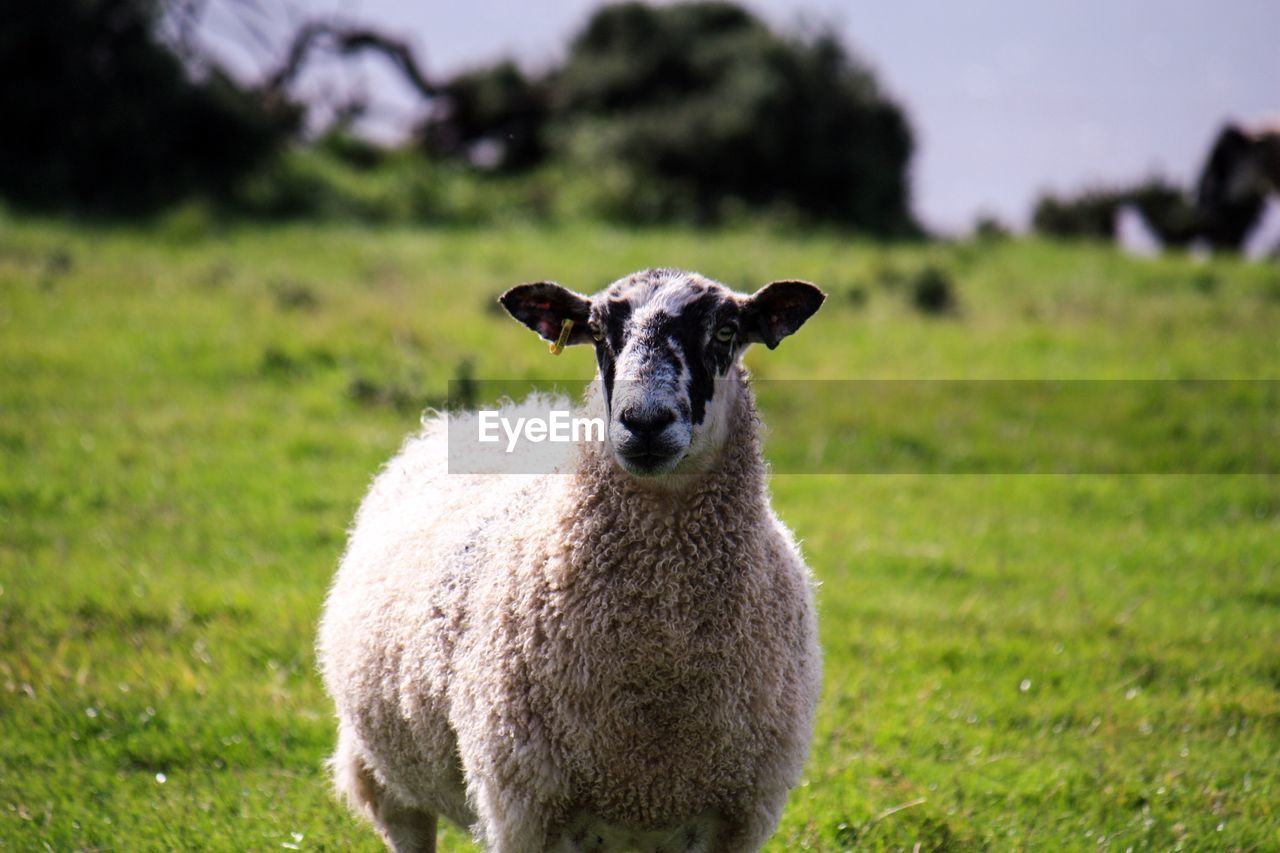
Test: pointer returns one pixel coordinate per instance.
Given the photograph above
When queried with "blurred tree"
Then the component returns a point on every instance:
(98, 114)
(1167, 210)
(703, 108)
(494, 118)
(705, 100)
(695, 109)
(1089, 215)
(988, 226)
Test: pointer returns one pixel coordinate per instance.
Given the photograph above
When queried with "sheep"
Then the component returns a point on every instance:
(623, 656)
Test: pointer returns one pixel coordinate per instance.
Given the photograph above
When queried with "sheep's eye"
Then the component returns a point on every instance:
(596, 332)
(725, 334)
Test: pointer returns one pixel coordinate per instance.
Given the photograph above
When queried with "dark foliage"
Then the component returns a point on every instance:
(704, 97)
(351, 149)
(1089, 215)
(699, 103)
(990, 228)
(933, 292)
(693, 111)
(1166, 209)
(494, 117)
(98, 115)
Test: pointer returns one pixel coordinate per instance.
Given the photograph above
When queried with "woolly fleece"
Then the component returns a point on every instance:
(576, 660)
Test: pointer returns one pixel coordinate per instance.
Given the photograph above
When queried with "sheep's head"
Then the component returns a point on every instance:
(663, 338)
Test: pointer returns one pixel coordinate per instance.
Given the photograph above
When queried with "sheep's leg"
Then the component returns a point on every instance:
(748, 828)
(403, 828)
(510, 823)
(406, 830)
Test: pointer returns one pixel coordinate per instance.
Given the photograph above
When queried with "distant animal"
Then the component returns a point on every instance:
(1242, 170)
(619, 656)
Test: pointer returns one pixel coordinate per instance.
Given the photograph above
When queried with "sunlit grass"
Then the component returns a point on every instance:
(187, 424)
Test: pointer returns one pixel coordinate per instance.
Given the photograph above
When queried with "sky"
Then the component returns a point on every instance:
(1008, 98)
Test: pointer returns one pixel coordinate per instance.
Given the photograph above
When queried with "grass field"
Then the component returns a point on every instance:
(187, 423)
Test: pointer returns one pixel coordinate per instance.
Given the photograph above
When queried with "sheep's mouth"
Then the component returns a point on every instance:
(647, 463)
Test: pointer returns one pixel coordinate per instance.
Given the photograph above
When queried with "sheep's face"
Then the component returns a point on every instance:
(664, 339)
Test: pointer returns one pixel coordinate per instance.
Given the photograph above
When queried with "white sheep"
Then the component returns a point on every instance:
(620, 656)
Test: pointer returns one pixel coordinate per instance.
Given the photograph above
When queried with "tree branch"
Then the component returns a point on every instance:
(348, 40)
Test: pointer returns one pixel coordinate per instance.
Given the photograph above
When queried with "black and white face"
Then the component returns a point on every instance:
(664, 339)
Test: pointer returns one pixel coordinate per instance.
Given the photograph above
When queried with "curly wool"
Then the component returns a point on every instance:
(555, 658)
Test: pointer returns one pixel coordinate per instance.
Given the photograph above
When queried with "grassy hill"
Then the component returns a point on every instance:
(188, 421)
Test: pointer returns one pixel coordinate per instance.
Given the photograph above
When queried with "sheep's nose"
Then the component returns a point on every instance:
(646, 423)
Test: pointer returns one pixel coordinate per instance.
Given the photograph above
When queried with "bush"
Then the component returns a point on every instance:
(493, 118)
(933, 292)
(1089, 215)
(403, 187)
(694, 111)
(989, 228)
(1167, 210)
(99, 115)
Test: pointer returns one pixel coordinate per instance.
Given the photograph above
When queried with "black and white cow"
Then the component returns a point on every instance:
(1240, 173)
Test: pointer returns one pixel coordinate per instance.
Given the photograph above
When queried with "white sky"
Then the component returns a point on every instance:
(1007, 97)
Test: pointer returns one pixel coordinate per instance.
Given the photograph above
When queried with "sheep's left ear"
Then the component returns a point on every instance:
(544, 306)
(779, 309)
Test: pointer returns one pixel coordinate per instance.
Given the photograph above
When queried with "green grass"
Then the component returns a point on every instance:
(187, 424)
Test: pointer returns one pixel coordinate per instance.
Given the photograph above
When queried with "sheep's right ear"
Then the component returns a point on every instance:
(544, 306)
(779, 309)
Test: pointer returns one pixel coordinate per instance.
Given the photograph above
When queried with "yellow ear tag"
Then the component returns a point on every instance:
(558, 346)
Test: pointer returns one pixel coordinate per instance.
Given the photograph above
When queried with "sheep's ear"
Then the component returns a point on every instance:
(544, 306)
(779, 309)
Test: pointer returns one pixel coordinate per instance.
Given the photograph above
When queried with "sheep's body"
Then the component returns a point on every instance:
(576, 660)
